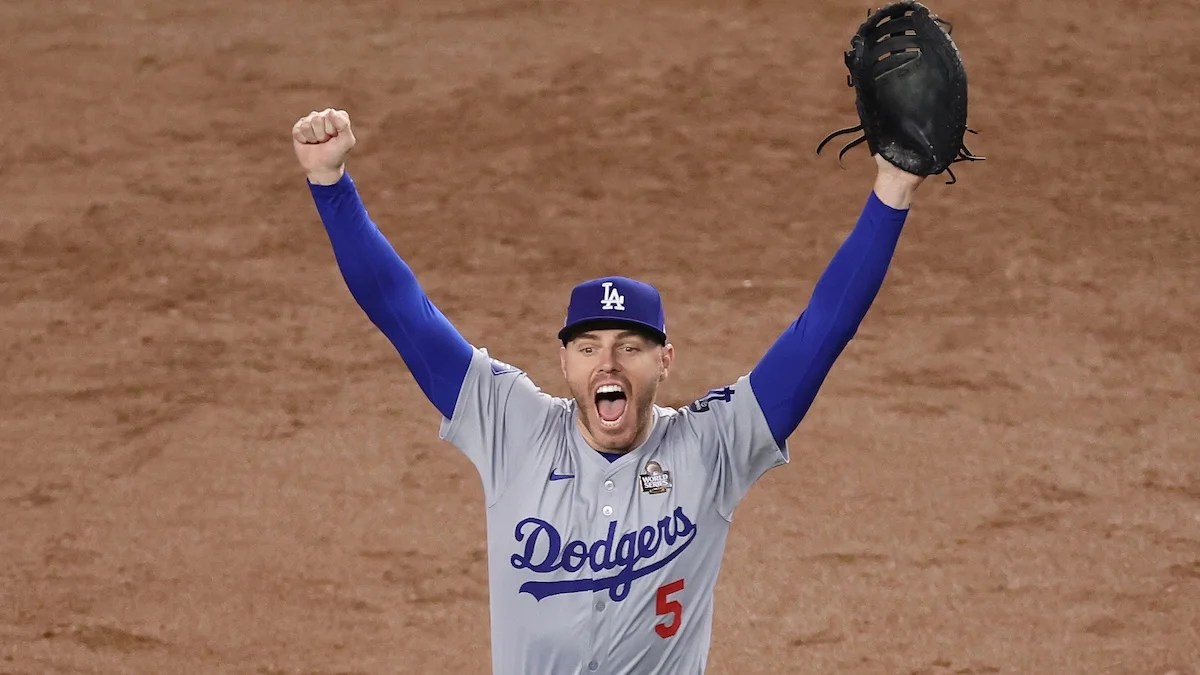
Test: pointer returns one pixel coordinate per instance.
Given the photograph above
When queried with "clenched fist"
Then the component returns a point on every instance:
(322, 140)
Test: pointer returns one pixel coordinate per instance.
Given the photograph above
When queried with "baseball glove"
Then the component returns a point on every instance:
(910, 90)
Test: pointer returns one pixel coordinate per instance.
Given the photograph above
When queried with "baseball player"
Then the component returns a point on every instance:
(607, 515)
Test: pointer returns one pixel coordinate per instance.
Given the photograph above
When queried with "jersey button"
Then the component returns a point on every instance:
(607, 510)
(609, 485)
(592, 665)
(599, 605)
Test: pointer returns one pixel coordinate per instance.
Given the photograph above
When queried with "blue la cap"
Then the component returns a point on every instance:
(612, 302)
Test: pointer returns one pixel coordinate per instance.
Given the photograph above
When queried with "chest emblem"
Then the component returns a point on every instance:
(655, 481)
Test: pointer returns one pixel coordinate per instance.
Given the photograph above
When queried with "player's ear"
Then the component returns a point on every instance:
(562, 360)
(667, 359)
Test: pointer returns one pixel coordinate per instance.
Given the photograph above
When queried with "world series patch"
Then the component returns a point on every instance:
(655, 481)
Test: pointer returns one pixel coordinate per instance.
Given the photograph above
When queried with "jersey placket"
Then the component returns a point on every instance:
(610, 507)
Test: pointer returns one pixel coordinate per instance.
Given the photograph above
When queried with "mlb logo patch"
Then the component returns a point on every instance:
(655, 481)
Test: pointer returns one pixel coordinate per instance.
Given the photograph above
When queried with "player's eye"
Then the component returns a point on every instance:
(586, 350)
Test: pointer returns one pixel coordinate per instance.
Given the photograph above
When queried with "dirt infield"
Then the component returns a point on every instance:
(212, 463)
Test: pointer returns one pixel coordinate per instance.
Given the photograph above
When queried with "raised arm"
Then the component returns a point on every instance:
(789, 375)
(379, 280)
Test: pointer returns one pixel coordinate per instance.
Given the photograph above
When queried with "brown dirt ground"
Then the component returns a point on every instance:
(211, 461)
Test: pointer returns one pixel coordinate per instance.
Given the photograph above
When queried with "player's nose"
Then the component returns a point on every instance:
(608, 361)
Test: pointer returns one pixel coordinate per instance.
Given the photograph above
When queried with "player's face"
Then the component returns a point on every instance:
(614, 375)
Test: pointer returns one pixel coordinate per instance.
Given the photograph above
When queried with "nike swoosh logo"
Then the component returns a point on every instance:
(560, 476)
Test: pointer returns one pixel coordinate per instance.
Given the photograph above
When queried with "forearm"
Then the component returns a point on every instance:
(386, 289)
(789, 375)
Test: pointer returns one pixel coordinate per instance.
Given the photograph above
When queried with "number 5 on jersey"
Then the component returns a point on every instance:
(669, 608)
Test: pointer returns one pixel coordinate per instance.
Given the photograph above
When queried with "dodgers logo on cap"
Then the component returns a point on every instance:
(612, 299)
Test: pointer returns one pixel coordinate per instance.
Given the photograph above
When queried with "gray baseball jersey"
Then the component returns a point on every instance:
(598, 566)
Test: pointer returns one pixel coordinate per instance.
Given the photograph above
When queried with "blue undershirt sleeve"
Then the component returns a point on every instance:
(789, 375)
(387, 290)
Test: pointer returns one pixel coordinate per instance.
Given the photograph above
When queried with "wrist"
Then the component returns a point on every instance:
(326, 176)
(895, 187)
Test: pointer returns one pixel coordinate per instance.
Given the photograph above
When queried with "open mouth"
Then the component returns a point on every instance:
(610, 404)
